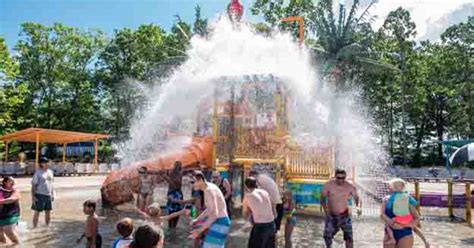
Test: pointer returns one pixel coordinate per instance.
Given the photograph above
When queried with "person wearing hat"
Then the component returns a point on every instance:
(42, 192)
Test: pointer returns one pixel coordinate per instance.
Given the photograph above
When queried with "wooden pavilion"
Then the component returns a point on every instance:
(52, 136)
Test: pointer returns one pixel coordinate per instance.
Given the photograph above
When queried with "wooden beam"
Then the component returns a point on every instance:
(450, 198)
(468, 204)
(417, 196)
(37, 150)
(6, 151)
(64, 152)
(96, 153)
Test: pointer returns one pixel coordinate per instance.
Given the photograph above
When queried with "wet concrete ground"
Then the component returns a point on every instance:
(68, 221)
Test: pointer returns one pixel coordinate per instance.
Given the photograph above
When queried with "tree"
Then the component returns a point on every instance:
(458, 41)
(399, 26)
(144, 55)
(10, 97)
(200, 25)
(55, 68)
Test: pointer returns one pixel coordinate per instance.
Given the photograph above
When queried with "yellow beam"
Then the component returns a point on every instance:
(307, 180)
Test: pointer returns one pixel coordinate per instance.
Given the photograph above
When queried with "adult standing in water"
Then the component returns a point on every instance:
(9, 211)
(258, 205)
(335, 200)
(145, 192)
(42, 192)
(175, 194)
(267, 183)
(215, 217)
(226, 189)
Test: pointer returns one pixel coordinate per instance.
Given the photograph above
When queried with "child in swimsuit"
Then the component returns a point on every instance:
(399, 201)
(154, 214)
(288, 214)
(91, 230)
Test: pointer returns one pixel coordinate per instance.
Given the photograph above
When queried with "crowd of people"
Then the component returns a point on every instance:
(263, 206)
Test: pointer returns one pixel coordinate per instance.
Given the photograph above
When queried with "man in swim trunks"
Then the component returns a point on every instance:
(226, 189)
(217, 221)
(258, 205)
(175, 194)
(335, 201)
(42, 192)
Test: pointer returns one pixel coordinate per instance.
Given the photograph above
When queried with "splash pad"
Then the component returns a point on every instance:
(245, 128)
(246, 101)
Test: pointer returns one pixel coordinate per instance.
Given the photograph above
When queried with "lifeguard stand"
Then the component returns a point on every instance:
(250, 132)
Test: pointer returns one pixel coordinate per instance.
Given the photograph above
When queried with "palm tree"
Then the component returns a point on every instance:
(343, 42)
(343, 47)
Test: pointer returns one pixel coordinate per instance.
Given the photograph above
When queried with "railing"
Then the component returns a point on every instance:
(257, 143)
(301, 164)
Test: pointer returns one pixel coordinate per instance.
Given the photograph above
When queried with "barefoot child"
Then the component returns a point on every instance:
(153, 214)
(400, 201)
(288, 214)
(91, 230)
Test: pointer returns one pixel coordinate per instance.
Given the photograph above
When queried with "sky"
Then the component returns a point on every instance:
(108, 15)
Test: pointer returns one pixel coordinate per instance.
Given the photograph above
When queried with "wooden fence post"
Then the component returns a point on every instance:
(450, 198)
(468, 204)
(417, 196)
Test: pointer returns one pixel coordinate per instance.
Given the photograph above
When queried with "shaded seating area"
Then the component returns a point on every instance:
(41, 136)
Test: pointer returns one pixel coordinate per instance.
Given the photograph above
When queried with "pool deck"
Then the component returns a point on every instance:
(23, 184)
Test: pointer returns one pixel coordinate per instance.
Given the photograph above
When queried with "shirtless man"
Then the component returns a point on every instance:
(268, 184)
(258, 205)
(215, 215)
(175, 194)
(335, 198)
(226, 189)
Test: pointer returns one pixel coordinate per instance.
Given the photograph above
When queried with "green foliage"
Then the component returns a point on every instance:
(65, 78)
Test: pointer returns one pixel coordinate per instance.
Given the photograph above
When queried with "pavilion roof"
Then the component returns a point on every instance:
(51, 136)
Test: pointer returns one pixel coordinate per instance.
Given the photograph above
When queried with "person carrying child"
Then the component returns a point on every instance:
(401, 218)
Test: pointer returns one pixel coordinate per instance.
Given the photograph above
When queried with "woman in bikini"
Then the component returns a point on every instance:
(145, 191)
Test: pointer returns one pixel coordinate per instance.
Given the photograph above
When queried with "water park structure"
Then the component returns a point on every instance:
(245, 128)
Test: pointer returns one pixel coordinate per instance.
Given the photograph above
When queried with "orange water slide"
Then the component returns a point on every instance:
(119, 186)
